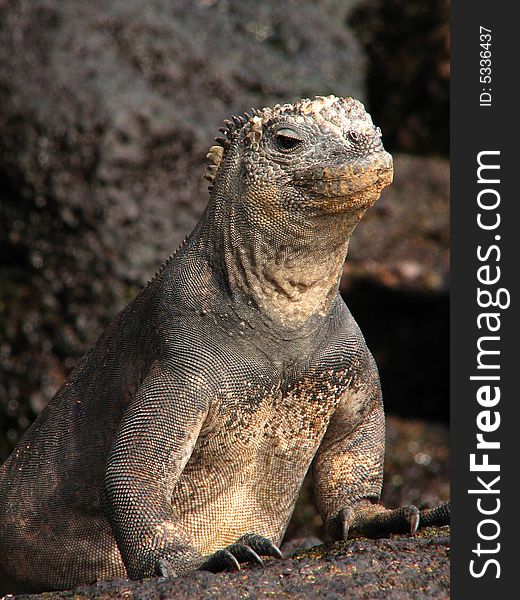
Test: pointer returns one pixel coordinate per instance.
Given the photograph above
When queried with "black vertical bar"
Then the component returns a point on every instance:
(484, 118)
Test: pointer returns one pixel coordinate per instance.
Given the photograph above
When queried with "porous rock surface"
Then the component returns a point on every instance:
(397, 568)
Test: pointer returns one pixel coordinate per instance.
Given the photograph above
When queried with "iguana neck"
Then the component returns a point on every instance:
(288, 274)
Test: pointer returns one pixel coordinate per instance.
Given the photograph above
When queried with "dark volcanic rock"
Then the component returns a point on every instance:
(106, 113)
(398, 568)
(396, 283)
(403, 242)
(408, 45)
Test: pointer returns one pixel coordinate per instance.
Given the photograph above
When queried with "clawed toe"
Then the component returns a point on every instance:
(373, 521)
(376, 521)
(245, 553)
(246, 549)
(435, 517)
(260, 544)
(220, 561)
(401, 520)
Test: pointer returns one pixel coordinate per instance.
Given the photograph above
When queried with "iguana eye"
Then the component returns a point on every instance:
(287, 140)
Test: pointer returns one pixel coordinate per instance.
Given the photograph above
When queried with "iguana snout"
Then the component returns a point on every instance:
(361, 175)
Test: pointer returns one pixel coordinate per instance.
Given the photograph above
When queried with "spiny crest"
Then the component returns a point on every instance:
(338, 111)
(214, 156)
(161, 269)
(216, 152)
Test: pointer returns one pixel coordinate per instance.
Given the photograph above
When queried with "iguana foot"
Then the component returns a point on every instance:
(373, 520)
(435, 517)
(248, 548)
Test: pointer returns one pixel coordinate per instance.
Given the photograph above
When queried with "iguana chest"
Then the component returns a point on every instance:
(252, 455)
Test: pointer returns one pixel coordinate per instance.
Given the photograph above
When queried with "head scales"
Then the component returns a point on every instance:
(330, 108)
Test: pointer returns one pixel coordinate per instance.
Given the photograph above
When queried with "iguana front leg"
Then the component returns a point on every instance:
(152, 446)
(348, 468)
(155, 441)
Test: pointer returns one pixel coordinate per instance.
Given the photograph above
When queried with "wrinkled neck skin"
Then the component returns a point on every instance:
(290, 272)
(283, 275)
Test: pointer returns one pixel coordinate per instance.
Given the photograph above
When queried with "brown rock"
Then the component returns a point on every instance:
(402, 243)
(398, 568)
(408, 45)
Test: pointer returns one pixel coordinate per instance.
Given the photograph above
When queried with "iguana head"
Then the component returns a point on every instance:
(313, 157)
(289, 184)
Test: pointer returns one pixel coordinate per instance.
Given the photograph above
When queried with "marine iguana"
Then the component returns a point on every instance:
(181, 439)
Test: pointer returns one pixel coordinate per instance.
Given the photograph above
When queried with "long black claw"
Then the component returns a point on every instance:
(403, 520)
(220, 560)
(246, 549)
(275, 552)
(245, 553)
(261, 545)
(436, 517)
(231, 560)
(381, 523)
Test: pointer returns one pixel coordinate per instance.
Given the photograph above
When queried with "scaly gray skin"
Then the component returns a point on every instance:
(181, 439)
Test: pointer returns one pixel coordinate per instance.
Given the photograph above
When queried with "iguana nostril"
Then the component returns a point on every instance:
(362, 139)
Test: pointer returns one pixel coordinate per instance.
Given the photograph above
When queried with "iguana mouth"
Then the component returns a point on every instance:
(349, 179)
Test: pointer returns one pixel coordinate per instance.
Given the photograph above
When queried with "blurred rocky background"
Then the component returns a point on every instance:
(107, 109)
